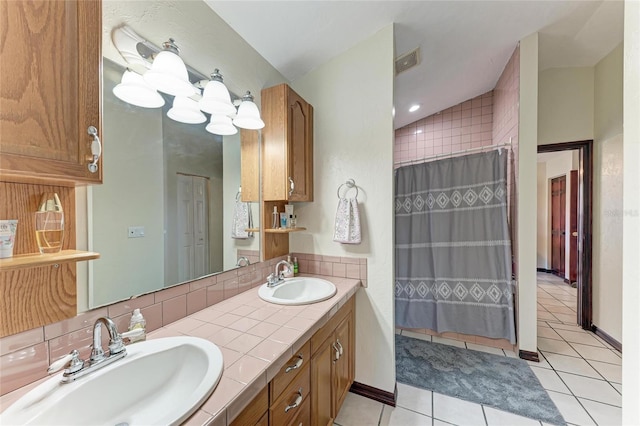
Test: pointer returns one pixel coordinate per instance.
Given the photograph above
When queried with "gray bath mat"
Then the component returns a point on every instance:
(504, 383)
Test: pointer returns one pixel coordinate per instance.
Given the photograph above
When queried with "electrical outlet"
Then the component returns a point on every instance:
(136, 231)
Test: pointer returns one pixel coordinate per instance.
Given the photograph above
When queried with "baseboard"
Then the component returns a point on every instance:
(529, 356)
(607, 338)
(567, 281)
(548, 271)
(376, 394)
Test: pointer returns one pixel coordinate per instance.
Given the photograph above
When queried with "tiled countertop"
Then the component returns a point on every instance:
(256, 339)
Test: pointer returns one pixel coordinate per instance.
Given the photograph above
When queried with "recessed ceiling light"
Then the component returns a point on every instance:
(414, 108)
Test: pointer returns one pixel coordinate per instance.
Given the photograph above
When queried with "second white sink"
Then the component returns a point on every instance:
(298, 291)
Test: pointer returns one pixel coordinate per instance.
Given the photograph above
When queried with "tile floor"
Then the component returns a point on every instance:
(581, 372)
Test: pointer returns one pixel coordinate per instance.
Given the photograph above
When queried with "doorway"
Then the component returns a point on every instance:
(580, 225)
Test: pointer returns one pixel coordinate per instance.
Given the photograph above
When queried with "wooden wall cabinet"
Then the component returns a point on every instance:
(287, 141)
(50, 90)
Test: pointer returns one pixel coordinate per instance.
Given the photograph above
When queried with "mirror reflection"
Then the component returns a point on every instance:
(166, 210)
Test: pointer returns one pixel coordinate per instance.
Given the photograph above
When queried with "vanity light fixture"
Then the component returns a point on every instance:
(168, 73)
(133, 89)
(153, 69)
(185, 110)
(216, 98)
(221, 125)
(248, 115)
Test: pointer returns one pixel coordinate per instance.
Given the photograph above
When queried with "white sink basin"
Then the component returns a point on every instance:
(298, 291)
(159, 382)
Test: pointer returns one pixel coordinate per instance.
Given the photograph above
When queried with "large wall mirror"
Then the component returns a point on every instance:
(165, 210)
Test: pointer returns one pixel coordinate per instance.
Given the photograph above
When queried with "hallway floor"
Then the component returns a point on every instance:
(581, 372)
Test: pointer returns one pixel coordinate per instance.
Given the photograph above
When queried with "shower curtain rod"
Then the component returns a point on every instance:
(448, 154)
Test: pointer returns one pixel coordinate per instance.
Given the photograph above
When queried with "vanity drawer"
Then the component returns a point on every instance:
(255, 411)
(289, 371)
(297, 391)
(304, 416)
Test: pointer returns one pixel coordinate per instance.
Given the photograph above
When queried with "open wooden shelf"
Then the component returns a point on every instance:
(37, 259)
(252, 230)
(283, 230)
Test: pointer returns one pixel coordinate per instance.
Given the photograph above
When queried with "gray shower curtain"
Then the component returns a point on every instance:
(452, 248)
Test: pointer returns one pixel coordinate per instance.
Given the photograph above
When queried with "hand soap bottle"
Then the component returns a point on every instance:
(137, 321)
(289, 272)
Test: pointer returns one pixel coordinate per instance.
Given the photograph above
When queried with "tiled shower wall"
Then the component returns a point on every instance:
(486, 120)
(463, 126)
(24, 357)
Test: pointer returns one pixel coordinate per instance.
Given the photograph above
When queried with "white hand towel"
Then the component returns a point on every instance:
(242, 219)
(347, 229)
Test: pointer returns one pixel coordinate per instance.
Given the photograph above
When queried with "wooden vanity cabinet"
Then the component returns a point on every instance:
(332, 365)
(287, 141)
(50, 90)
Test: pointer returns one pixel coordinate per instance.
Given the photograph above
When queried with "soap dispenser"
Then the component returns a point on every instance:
(137, 322)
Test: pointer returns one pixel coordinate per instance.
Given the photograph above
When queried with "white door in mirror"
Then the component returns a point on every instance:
(161, 381)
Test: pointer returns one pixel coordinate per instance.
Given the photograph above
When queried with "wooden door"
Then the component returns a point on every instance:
(573, 226)
(186, 246)
(300, 155)
(201, 226)
(50, 90)
(558, 229)
(343, 373)
(321, 394)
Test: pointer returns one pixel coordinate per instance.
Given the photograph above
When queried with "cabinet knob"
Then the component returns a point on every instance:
(96, 149)
(335, 348)
(295, 403)
(292, 186)
(339, 346)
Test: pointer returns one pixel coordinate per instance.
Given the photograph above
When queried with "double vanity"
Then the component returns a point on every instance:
(277, 354)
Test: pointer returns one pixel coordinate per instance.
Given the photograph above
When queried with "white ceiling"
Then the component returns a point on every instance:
(464, 45)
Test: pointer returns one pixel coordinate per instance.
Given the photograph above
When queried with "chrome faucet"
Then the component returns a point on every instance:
(76, 368)
(243, 261)
(278, 276)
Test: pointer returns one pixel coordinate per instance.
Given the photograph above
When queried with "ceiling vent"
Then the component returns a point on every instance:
(408, 60)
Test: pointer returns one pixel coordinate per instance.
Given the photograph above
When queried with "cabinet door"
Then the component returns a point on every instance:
(50, 89)
(343, 367)
(322, 384)
(300, 150)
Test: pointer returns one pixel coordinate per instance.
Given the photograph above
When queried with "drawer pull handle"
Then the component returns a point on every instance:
(339, 346)
(296, 403)
(335, 348)
(295, 366)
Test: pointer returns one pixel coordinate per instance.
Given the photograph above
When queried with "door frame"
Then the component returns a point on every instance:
(585, 225)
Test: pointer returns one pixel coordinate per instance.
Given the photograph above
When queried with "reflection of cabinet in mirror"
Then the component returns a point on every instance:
(287, 160)
(50, 79)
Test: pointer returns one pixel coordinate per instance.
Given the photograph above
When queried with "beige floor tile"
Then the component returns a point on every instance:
(415, 399)
(415, 335)
(550, 380)
(618, 387)
(487, 349)
(457, 411)
(449, 342)
(560, 310)
(611, 372)
(571, 365)
(597, 390)
(358, 410)
(547, 316)
(542, 364)
(567, 318)
(584, 337)
(570, 327)
(548, 333)
(398, 416)
(556, 346)
(597, 354)
(502, 418)
(571, 409)
(603, 414)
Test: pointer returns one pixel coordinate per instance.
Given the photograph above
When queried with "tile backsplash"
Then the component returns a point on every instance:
(24, 357)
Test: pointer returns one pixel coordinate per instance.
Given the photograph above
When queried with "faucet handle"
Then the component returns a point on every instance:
(74, 363)
(132, 333)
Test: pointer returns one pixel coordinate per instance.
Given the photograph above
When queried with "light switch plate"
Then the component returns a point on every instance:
(136, 231)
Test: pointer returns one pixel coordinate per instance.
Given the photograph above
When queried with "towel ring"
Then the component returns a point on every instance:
(350, 184)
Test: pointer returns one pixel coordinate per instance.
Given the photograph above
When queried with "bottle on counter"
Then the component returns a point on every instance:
(137, 321)
(296, 269)
(288, 273)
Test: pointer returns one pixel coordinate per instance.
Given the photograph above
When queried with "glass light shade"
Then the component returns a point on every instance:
(248, 116)
(134, 90)
(216, 99)
(168, 74)
(221, 125)
(185, 110)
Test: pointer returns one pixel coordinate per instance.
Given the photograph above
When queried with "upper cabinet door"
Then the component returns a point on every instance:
(50, 90)
(287, 140)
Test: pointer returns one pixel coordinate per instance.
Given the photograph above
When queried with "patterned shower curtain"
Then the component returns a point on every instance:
(452, 248)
